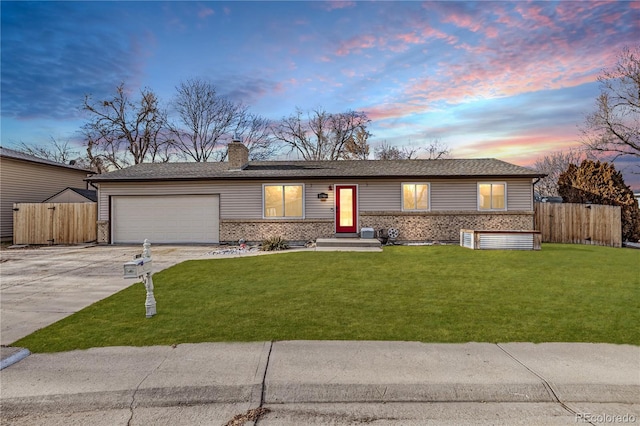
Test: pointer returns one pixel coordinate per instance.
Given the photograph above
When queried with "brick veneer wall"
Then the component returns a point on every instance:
(440, 226)
(303, 230)
(103, 231)
(445, 226)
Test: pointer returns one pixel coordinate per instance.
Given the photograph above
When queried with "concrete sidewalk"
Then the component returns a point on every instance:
(314, 382)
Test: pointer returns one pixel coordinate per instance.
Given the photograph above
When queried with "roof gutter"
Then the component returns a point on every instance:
(336, 176)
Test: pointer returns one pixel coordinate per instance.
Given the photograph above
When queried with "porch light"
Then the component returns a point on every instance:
(323, 196)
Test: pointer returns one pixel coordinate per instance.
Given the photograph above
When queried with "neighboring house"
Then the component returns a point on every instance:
(302, 200)
(74, 195)
(637, 197)
(28, 179)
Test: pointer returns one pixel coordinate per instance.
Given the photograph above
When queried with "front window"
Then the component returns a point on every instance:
(415, 196)
(492, 196)
(283, 201)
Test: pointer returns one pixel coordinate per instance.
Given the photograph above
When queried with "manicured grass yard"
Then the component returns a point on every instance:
(568, 293)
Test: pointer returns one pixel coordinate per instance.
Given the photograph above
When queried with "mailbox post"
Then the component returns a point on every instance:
(142, 266)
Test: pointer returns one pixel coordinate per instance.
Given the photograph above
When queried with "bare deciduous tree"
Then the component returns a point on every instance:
(319, 135)
(357, 146)
(614, 128)
(205, 120)
(553, 165)
(58, 151)
(121, 132)
(385, 151)
(436, 150)
(255, 132)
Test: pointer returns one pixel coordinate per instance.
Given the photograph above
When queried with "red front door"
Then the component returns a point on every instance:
(346, 209)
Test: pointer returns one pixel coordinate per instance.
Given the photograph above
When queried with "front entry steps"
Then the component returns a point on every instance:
(348, 244)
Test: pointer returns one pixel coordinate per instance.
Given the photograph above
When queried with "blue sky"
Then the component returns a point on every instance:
(510, 80)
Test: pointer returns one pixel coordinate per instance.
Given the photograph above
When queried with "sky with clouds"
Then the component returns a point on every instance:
(511, 80)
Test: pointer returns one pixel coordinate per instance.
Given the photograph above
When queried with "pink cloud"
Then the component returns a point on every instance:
(496, 68)
(430, 32)
(504, 18)
(356, 44)
(349, 73)
(466, 21)
(522, 149)
(534, 12)
(574, 12)
(409, 38)
(337, 4)
(393, 110)
(491, 32)
(203, 13)
(612, 19)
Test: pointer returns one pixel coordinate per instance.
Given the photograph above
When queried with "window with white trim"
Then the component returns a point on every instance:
(415, 197)
(284, 201)
(492, 196)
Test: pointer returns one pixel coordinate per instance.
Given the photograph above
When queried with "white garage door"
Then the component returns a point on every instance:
(165, 219)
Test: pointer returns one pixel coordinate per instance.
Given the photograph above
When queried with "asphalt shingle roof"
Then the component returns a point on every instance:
(260, 170)
(17, 155)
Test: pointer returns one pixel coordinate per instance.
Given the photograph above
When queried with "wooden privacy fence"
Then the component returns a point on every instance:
(54, 223)
(579, 224)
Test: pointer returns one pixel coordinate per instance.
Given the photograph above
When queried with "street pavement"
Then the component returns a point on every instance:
(283, 382)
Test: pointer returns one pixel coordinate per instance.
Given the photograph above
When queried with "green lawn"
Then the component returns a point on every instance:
(568, 293)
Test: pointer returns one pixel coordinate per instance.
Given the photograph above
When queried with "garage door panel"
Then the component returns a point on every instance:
(165, 219)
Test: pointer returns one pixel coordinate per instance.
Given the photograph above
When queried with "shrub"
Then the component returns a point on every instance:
(274, 243)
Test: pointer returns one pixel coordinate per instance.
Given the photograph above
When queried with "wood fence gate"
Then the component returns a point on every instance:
(54, 223)
(579, 223)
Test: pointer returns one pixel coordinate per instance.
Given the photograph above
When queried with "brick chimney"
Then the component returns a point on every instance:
(237, 154)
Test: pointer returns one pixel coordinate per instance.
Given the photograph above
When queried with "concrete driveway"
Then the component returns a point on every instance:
(40, 286)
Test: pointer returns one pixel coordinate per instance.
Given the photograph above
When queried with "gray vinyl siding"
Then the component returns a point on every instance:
(240, 200)
(380, 196)
(314, 207)
(243, 200)
(452, 195)
(446, 195)
(237, 200)
(519, 195)
(27, 182)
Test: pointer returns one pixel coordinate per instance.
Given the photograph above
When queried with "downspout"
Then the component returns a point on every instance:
(534, 201)
(98, 192)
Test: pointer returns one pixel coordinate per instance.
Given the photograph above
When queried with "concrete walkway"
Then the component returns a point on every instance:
(305, 382)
